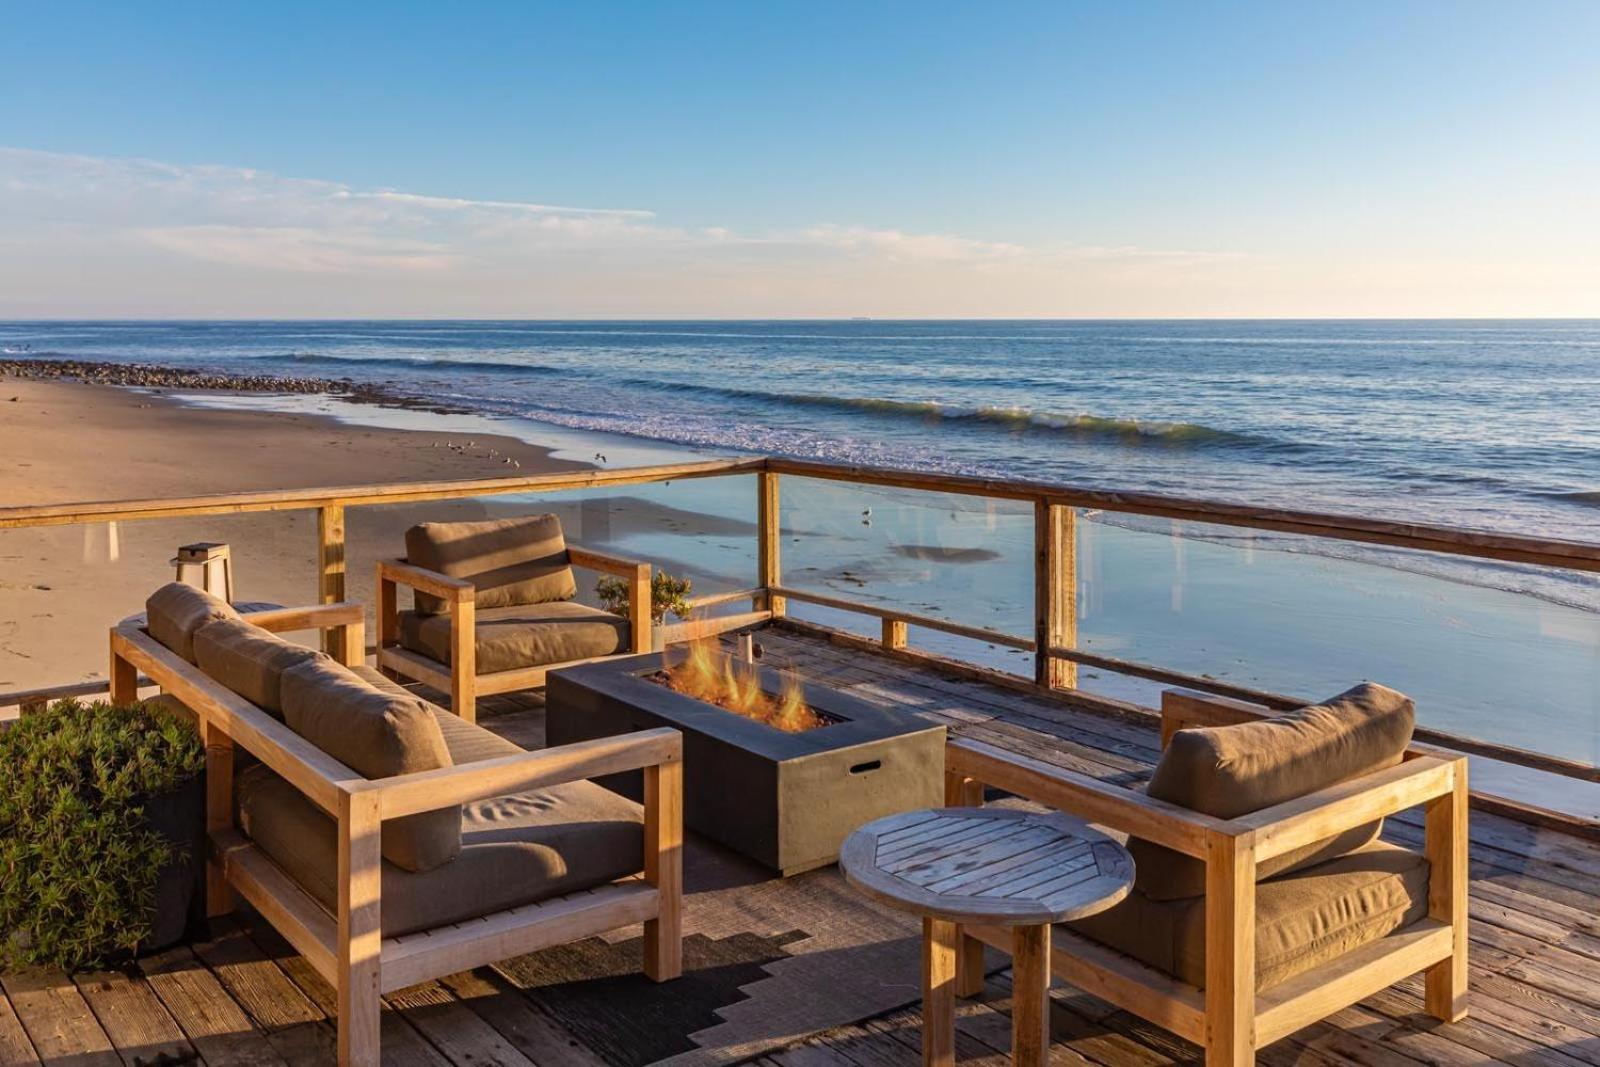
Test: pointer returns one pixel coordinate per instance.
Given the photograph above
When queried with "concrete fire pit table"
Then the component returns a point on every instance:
(959, 867)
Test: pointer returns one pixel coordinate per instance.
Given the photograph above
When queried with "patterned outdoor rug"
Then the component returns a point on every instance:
(766, 961)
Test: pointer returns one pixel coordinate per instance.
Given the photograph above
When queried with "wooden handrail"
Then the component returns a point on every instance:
(359, 495)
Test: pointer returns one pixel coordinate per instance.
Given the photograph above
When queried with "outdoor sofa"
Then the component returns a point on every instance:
(388, 840)
(1264, 899)
(494, 608)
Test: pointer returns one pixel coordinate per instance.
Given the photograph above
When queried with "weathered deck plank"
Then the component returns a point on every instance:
(15, 1048)
(133, 1017)
(57, 1019)
(244, 996)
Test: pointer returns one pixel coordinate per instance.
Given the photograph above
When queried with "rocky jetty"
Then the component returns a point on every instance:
(155, 376)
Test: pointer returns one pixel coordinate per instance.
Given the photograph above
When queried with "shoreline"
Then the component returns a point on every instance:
(168, 446)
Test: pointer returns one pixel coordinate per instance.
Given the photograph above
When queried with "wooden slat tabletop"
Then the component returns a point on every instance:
(988, 865)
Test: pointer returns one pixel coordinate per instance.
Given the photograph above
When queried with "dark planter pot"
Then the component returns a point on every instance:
(180, 817)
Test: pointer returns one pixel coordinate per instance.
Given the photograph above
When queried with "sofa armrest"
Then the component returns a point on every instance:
(1182, 709)
(461, 595)
(314, 617)
(399, 572)
(345, 619)
(1086, 797)
(1315, 816)
(605, 562)
(640, 599)
(408, 794)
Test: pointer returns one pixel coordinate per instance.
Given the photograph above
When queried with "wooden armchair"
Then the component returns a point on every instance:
(344, 940)
(519, 644)
(1233, 1014)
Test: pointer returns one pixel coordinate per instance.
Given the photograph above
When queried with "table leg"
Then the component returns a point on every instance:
(939, 942)
(1030, 995)
(969, 964)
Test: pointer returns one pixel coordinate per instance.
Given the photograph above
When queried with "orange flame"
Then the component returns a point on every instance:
(706, 675)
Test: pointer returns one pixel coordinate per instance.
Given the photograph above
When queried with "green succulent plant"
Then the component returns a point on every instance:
(666, 594)
(78, 860)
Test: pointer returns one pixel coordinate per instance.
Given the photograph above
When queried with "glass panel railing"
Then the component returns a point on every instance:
(1492, 651)
(703, 529)
(960, 559)
(63, 587)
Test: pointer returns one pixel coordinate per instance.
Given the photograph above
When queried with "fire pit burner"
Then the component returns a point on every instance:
(786, 799)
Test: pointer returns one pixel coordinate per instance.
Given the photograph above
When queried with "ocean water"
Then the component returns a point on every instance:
(1490, 424)
(1482, 424)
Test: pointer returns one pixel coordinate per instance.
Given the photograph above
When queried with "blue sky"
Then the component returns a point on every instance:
(806, 159)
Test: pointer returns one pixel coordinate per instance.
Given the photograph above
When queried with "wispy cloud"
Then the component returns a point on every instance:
(258, 242)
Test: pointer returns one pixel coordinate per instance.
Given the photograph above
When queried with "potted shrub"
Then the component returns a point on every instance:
(667, 594)
(102, 833)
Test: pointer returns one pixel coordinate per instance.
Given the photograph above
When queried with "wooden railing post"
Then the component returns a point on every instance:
(330, 570)
(894, 634)
(1055, 596)
(769, 571)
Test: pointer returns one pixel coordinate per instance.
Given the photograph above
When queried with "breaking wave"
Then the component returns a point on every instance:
(1015, 419)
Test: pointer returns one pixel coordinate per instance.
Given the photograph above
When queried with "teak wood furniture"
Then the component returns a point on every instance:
(1017, 870)
(1231, 1016)
(346, 945)
(460, 676)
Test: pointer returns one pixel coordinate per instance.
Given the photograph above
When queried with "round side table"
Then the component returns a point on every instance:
(959, 867)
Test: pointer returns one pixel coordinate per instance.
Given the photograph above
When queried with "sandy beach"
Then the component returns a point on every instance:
(60, 587)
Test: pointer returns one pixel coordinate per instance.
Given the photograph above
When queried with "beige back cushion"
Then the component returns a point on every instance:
(1228, 771)
(378, 734)
(175, 612)
(509, 561)
(248, 660)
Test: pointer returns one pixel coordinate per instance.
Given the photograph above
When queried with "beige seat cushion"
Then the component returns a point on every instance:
(1229, 771)
(508, 561)
(514, 850)
(378, 734)
(175, 612)
(249, 660)
(1303, 919)
(534, 635)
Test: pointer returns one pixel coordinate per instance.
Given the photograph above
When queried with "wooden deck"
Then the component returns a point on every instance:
(246, 998)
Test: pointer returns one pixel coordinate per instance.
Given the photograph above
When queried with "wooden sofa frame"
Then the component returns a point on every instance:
(460, 677)
(1229, 1017)
(348, 947)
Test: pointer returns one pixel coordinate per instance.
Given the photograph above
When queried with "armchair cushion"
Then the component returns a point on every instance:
(533, 635)
(1229, 771)
(514, 850)
(175, 612)
(1303, 919)
(378, 734)
(508, 561)
(249, 661)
